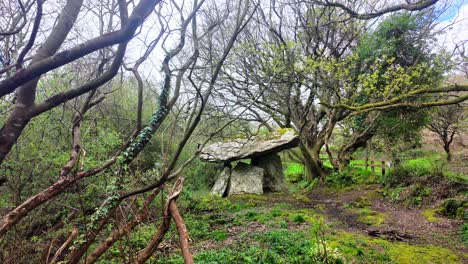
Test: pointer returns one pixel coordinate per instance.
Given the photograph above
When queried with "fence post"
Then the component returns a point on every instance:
(372, 166)
(383, 167)
(367, 163)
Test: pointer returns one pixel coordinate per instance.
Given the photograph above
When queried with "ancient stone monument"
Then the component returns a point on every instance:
(265, 171)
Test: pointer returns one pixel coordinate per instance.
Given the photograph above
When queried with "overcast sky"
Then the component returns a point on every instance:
(454, 21)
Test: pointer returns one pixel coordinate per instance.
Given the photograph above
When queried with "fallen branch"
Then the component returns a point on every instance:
(390, 235)
(146, 253)
(65, 245)
(183, 234)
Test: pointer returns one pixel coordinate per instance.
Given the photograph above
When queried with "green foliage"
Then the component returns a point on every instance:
(402, 175)
(453, 208)
(293, 171)
(304, 186)
(220, 235)
(350, 175)
(201, 176)
(298, 219)
(343, 178)
(321, 251)
(464, 233)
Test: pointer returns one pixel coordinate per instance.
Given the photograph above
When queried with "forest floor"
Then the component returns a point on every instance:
(354, 224)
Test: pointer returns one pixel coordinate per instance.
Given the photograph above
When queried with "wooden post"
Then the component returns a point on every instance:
(372, 165)
(367, 163)
(383, 167)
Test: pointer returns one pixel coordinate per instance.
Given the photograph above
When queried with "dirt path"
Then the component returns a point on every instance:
(397, 219)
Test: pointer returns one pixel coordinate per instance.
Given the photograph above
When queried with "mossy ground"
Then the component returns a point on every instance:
(283, 228)
(431, 214)
(326, 225)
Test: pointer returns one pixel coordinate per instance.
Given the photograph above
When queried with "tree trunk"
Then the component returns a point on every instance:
(26, 94)
(358, 141)
(313, 165)
(447, 150)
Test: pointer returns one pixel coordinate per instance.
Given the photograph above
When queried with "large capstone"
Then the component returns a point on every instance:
(221, 185)
(246, 148)
(246, 179)
(273, 178)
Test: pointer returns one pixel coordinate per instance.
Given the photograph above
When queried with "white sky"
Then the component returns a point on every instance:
(454, 26)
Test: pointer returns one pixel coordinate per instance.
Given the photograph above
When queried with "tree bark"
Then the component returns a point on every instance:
(447, 151)
(313, 164)
(26, 94)
(119, 233)
(183, 234)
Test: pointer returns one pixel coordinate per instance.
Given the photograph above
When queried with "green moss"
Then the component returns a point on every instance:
(319, 207)
(372, 218)
(247, 197)
(360, 202)
(404, 253)
(211, 203)
(283, 131)
(302, 198)
(430, 215)
(358, 246)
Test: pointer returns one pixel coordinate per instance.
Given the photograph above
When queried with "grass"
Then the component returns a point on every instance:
(275, 230)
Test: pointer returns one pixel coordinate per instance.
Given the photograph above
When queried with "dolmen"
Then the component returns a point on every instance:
(264, 172)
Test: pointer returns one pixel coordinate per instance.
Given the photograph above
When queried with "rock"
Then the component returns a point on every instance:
(221, 184)
(245, 179)
(273, 180)
(243, 148)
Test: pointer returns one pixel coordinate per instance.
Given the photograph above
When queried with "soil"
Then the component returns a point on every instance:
(402, 220)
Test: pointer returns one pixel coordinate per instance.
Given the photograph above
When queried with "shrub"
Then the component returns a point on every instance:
(346, 177)
(454, 209)
(299, 219)
(403, 175)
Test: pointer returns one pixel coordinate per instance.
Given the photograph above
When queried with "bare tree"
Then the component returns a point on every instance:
(447, 122)
(308, 47)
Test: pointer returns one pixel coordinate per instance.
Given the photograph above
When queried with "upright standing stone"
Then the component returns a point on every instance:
(273, 172)
(245, 179)
(221, 184)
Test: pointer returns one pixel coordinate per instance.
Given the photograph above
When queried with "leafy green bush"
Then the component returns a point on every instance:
(299, 219)
(403, 174)
(346, 177)
(454, 209)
